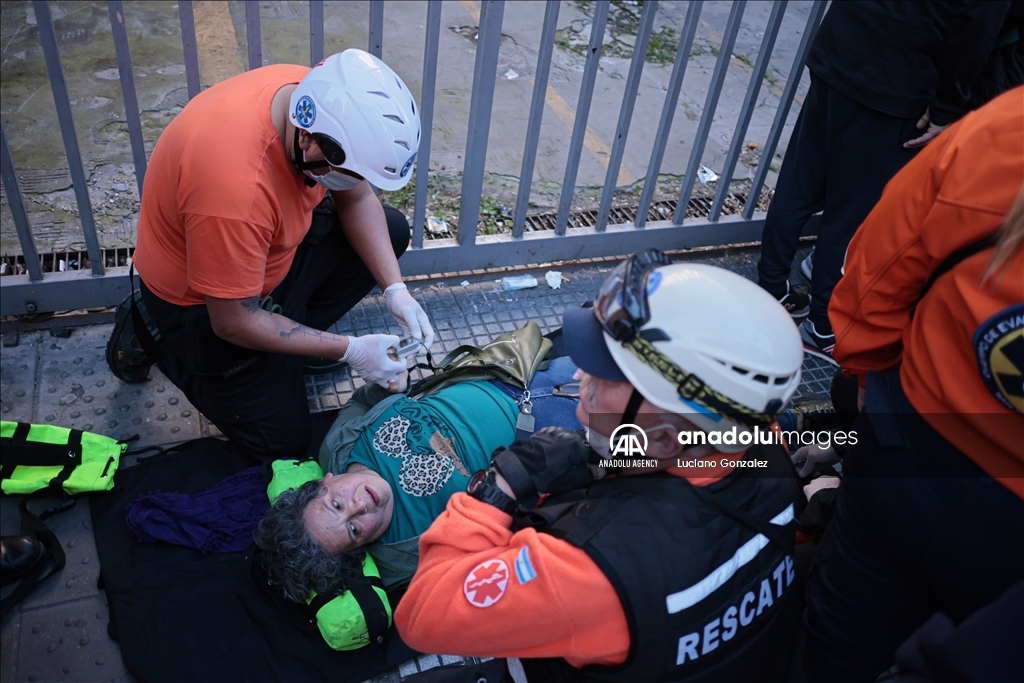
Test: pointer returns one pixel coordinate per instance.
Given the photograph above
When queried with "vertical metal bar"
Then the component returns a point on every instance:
(747, 108)
(636, 67)
(316, 31)
(188, 45)
(540, 88)
(376, 27)
(48, 38)
(17, 204)
(253, 37)
(668, 110)
(579, 128)
(131, 102)
(485, 72)
(430, 46)
(707, 116)
(795, 73)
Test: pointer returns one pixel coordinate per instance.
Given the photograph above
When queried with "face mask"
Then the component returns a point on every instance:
(598, 442)
(334, 181)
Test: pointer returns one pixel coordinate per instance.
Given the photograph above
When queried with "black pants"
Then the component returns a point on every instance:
(257, 399)
(919, 528)
(841, 156)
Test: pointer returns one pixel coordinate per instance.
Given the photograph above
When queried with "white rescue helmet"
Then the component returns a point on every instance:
(359, 103)
(722, 329)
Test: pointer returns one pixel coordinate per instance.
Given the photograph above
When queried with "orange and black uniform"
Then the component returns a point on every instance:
(930, 515)
(876, 66)
(225, 214)
(638, 578)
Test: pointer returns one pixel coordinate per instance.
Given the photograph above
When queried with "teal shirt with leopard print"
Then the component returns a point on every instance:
(427, 449)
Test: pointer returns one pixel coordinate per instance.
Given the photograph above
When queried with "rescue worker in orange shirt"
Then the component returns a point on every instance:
(930, 317)
(241, 280)
(680, 570)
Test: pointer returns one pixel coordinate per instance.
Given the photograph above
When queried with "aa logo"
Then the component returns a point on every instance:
(628, 441)
(999, 346)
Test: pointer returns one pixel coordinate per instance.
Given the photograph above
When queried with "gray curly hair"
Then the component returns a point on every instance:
(293, 560)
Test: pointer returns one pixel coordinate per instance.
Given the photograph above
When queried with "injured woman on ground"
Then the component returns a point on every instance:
(391, 463)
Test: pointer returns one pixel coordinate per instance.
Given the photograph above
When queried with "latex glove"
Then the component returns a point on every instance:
(368, 356)
(409, 315)
(932, 131)
(554, 460)
(807, 459)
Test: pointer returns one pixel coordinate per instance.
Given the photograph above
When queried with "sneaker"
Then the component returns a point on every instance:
(807, 266)
(126, 354)
(820, 345)
(797, 304)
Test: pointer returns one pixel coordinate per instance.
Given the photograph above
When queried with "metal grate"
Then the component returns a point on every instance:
(60, 261)
(697, 207)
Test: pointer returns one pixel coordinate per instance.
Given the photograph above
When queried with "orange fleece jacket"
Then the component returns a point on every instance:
(956, 191)
(568, 609)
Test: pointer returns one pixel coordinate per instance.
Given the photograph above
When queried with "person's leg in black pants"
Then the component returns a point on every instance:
(799, 192)
(863, 150)
(260, 404)
(919, 529)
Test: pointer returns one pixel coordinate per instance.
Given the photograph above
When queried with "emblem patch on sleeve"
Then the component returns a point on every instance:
(999, 348)
(485, 585)
(525, 573)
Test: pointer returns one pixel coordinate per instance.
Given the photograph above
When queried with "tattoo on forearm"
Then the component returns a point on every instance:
(251, 305)
(300, 329)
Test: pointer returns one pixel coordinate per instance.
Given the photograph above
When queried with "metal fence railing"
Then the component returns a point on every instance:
(102, 285)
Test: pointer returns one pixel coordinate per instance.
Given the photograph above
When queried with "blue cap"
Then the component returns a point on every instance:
(584, 340)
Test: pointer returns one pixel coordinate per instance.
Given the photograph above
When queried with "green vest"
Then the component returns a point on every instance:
(358, 616)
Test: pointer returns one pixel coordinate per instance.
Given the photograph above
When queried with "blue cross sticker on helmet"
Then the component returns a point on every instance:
(408, 165)
(653, 281)
(305, 111)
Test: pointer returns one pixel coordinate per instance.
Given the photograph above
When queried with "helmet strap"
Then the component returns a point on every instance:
(692, 388)
(300, 160)
(632, 407)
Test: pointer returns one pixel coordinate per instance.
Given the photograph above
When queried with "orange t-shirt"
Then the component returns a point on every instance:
(956, 191)
(223, 208)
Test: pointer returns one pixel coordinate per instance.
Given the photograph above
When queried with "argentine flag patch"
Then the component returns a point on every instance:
(525, 572)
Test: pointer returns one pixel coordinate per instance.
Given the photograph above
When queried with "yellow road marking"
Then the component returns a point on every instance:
(471, 9)
(216, 43)
(591, 140)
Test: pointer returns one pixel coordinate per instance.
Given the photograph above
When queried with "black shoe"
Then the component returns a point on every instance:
(126, 356)
(820, 345)
(18, 556)
(796, 303)
(322, 366)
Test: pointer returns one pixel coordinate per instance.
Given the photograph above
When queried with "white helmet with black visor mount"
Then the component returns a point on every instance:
(692, 339)
(363, 118)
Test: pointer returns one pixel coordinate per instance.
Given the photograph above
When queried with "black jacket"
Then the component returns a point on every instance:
(707, 597)
(900, 57)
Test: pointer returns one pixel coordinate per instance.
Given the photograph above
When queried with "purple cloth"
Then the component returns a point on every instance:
(221, 519)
